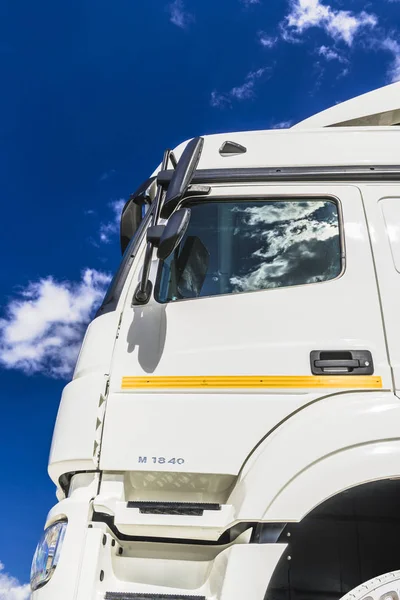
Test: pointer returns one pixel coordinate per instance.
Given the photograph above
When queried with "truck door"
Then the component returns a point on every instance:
(269, 302)
(382, 204)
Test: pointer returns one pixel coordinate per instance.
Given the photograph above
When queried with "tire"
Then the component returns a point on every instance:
(385, 585)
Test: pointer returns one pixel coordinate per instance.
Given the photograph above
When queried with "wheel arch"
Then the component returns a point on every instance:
(333, 444)
(347, 540)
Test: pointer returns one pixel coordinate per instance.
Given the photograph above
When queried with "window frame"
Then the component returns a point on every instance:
(114, 291)
(188, 201)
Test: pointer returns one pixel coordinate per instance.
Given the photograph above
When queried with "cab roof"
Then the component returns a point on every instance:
(365, 146)
(358, 132)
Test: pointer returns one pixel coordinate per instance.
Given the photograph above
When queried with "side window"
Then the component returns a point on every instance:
(118, 281)
(240, 246)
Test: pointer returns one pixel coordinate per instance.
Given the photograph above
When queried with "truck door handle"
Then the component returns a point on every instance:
(341, 362)
(336, 363)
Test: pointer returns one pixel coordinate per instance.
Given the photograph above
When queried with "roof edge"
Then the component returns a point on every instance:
(381, 107)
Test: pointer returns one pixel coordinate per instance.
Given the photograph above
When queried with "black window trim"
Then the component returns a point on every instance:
(114, 291)
(357, 173)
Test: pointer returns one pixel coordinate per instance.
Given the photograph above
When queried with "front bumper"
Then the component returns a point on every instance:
(95, 564)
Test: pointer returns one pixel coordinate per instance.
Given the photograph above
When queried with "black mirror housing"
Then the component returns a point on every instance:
(183, 173)
(173, 232)
(133, 212)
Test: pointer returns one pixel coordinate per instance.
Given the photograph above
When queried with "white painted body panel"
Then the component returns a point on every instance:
(329, 430)
(385, 235)
(97, 346)
(181, 427)
(79, 422)
(210, 336)
(74, 435)
(352, 436)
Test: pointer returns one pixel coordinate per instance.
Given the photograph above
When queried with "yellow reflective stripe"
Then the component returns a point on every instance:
(253, 381)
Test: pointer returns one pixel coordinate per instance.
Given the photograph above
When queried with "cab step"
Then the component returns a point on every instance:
(128, 596)
(190, 509)
(175, 520)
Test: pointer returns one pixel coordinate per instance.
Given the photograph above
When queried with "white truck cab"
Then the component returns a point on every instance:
(232, 428)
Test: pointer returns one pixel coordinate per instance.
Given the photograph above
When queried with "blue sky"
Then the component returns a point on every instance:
(92, 93)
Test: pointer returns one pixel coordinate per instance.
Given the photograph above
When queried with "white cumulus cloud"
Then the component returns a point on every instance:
(218, 100)
(11, 588)
(331, 54)
(393, 46)
(178, 15)
(341, 25)
(245, 91)
(109, 228)
(43, 326)
(282, 125)
(267, 41)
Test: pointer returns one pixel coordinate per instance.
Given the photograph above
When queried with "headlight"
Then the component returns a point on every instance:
(47, 554)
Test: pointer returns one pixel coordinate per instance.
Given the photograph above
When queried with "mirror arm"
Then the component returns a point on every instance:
(173, 160)
(143, 291)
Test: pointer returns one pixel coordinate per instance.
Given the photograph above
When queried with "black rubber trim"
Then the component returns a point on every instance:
(225, 538)
(297, 174)
(192, 509)
(135, 596)
(114, 291)
(140, 194)
(267, 533)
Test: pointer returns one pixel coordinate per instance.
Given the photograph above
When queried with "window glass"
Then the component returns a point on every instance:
(245, 246)
(114, 291)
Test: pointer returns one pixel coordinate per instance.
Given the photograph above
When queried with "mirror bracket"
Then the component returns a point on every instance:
(198, 189)
(141, 297)
(154, 234)
(193, 190)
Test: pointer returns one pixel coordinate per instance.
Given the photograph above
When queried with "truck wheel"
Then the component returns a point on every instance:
(384, 587)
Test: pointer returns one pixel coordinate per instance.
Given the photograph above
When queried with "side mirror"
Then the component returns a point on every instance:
(191, 267)
(167, 237)
(173, 232)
